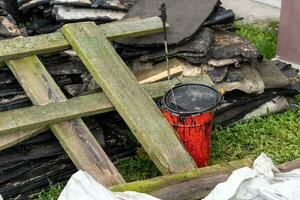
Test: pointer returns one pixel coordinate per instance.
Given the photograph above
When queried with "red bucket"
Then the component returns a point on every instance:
(191, 115)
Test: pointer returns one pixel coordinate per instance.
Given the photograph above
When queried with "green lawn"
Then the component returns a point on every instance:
(277, 135)
(264, 37)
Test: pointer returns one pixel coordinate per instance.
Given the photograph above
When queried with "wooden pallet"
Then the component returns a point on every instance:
(121, 92)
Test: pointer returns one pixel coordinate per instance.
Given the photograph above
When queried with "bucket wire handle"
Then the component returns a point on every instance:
(164, 18)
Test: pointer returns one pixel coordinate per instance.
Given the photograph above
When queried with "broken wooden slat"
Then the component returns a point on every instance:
(289, 166)
(185, 186)
(55, 42)
(134, 105)
(34, 117)
(159, 72)
(8, 140)
(74, 136)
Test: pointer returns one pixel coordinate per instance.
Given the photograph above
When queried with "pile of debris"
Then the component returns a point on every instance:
(49, 15)
(201, 41)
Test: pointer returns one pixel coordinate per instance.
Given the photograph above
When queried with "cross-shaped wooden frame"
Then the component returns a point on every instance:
(121, 89)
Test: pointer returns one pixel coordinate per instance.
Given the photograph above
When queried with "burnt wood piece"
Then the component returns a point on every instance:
(11, 7)
(6, 93)
(31, 152)
(14, 102)
(180, 15)
(197, 47)
(52, 170)
(117, 145)
(6, 77)
(66, 68)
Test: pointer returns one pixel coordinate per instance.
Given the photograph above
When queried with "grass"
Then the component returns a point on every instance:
(264, 37)
(51, 194)
(277, 135)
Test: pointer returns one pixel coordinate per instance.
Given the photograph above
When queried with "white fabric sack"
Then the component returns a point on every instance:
(259, 183)
(82, 186)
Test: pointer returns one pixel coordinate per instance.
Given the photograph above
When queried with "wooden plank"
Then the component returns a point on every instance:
(55, 42)
(289, 166)
(134, 105)
(185, 186)
(8, 140)
(74, 136)
(159, 71)
(34, 117)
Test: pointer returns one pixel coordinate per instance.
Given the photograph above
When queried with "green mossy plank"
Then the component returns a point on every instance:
(185, 186)
(74, 136)
(130, 100)
(55, 42)
(42, 116)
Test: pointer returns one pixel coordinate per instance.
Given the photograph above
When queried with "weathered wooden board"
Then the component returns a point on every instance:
(8, 140)
(194, 185)
(74, 136)
(35, 117)
(55, 42)
(159, 71)
(289, 166)
(134, 105)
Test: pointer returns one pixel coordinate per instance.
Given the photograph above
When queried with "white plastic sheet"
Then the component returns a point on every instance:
(82, 186)
(263, 182)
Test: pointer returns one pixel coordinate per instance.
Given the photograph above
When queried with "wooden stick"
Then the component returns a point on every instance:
(34, 117)
(289, 166)
(185, 186)
(134, 105)
(74, 136)
(55, 42)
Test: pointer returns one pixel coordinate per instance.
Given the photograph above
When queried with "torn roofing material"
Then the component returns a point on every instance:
(180, 15)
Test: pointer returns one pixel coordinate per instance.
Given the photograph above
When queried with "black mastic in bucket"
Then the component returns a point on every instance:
(189, 108)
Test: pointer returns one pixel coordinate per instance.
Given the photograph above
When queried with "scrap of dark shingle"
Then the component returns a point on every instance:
(32, 4)
(113, 4)
(239, 104)
(197, 47)
(184, 17)
(245, 78)
(66, 68)
(18, 101)
(218, 74)
(271, 75)
(6, 77)
(229, 45)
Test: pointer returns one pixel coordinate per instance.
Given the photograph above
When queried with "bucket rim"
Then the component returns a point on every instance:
(187, 113)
